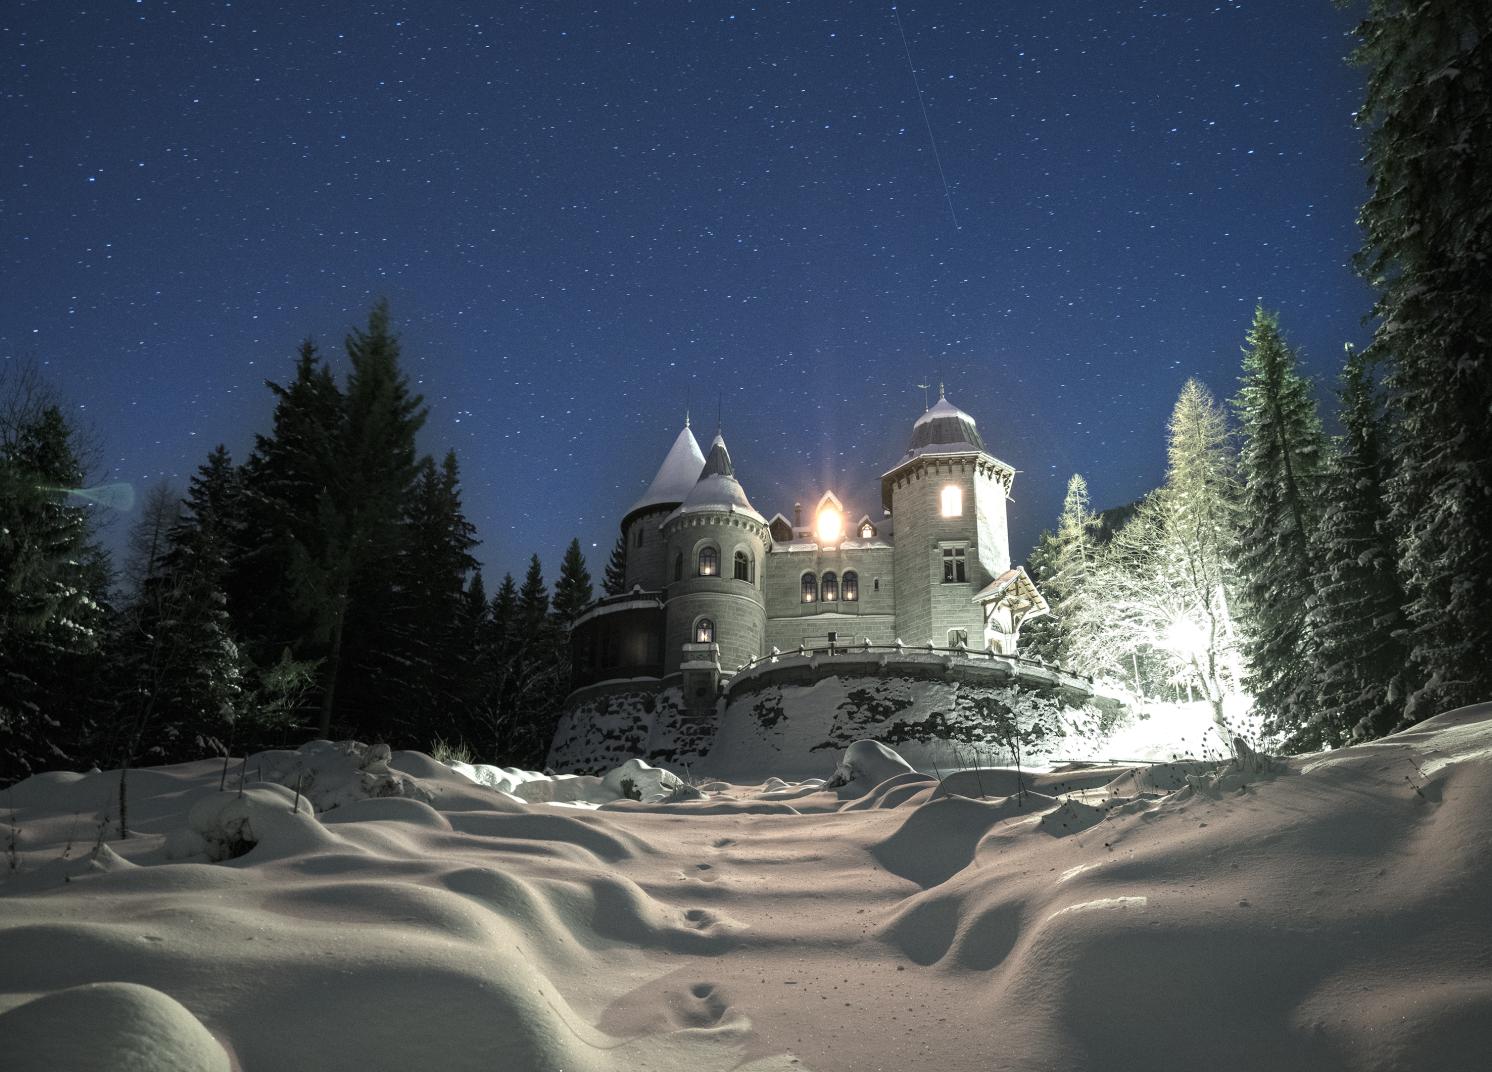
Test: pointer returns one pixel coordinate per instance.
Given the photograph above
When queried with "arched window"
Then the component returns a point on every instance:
(743, 566)
(704, 631)
(810, 588)
(830, 588)
(953, 501)
(709, 562)
(678, 566)
(850, 583)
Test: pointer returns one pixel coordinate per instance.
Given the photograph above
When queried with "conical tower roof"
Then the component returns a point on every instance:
(676, 476)
(717, 487)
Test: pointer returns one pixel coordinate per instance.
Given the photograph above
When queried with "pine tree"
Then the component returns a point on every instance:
(1427, 246)
(614, 583)
(494, 712)
(1041, 638)
(572, 592)
(51, 584)
(1280, 464)
(283, 483)
(373, 467)
(1357, 652)
(415, 655)
(535, 674)
(181, 660)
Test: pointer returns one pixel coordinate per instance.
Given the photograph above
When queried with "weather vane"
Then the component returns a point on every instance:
(924, 387)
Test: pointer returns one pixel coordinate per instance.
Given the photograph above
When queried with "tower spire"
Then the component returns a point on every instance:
(941, 395)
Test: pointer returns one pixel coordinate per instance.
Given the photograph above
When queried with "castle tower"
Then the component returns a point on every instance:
(952, 547)
(641, 527)
(716, 550)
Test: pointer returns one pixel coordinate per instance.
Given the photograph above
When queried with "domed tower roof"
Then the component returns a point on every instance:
(676, 476)
(943, 429)
(717, 487)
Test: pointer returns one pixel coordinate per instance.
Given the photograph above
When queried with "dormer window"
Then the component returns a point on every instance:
(709, 562)
(867, 530)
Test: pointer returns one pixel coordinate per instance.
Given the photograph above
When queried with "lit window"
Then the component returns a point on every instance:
(709, 562)
(849, 586)
(830, 525)
(830, 588)
(678, 566)
(704, 632)
(953, 501)
(867, 530)
(743, 566)
(810, 588)
(953, 565)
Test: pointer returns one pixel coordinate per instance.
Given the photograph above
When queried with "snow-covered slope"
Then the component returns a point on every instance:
(1327, 912)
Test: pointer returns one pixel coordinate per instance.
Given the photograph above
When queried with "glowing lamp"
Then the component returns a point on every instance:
(830, 525)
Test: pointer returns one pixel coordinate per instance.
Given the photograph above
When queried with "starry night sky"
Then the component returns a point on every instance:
(588, 217)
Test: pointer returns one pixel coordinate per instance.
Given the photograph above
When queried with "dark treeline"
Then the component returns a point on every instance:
(325, 586)
(1346, 582)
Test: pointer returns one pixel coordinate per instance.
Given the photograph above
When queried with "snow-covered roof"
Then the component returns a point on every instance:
(943, 429)
(717, 487)
(676, 476)
(1013, 582)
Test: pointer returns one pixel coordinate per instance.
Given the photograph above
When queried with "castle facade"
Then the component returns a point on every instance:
(712, 585)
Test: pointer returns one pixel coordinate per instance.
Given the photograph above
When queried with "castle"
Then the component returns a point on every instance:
(712, 586)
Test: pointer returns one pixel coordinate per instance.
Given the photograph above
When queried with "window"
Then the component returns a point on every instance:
(704, 631)
(743, 566)
(958, 638)
(639, 535)
(709, 562)
(877, 585)
(678, 566)
(850, 586)
(829, 588)
(867, 530)
(953, 501)
(810, 588)
(953, 565)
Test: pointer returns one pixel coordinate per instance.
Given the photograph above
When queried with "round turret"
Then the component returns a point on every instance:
(716, 546)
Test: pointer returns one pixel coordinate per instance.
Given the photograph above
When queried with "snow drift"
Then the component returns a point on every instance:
(1323, 912)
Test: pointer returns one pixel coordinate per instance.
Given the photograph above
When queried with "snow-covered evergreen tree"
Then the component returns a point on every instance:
(1356, 653)
(1428, 246)
(1065, 560)
(51, 584)
(1280, 464)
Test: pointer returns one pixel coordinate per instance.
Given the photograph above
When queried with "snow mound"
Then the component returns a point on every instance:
(332, 774)
(866, 764)
(108, 1027)
(634, 780)
(224, 826)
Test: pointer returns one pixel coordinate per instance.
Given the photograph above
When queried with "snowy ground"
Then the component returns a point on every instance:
(1331, 912)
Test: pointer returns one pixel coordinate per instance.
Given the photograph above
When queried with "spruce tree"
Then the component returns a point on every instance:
(374, 465)
(536, 672)
(283, 483)
(495, 708)
(51, 587)
(614, 582)
(180, 657)
(572, 592)
(1427, 245)
(1357, 652)
(1280, 465)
